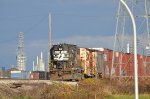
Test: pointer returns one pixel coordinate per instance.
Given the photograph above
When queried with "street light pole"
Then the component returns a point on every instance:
(135, 49)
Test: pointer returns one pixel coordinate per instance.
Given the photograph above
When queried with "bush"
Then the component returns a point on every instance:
(126, 86)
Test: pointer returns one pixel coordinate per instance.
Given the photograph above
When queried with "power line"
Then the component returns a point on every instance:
(77, 15)
(36, 24)
(14, 18)
(27, 30)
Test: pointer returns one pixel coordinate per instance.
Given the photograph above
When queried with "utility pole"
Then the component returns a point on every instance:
(50, 38)
(45, 67)
(135, 49)
(50, 29)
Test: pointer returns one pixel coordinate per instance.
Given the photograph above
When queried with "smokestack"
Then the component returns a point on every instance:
(37, 60)
(41, 55)
(128, 48)
(33, 66)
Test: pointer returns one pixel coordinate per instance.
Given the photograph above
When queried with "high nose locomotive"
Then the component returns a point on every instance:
(64, 62)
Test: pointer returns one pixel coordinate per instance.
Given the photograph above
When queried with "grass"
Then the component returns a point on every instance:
(20, 97)
(142, 96)
(87, 89)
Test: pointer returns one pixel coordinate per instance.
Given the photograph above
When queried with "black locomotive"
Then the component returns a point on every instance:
(65, 62)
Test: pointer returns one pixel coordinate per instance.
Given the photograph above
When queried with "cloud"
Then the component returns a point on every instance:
(89, 41)
(79, 40)
(103, 41)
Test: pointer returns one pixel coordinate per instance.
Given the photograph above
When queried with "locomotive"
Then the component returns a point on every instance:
(65, 62)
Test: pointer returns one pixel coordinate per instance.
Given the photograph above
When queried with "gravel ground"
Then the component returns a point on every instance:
(35, 82)
(14, 88)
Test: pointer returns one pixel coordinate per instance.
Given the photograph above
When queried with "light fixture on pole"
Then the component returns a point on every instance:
(135, 48)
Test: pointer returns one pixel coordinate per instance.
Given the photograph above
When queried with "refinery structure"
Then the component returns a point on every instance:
(21, 57)
(39, 64)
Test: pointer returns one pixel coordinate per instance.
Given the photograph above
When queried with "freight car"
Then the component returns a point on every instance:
(92, 61)
(64, 62)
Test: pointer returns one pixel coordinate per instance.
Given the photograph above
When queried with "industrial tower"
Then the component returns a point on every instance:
(123, 41)
(21, 58)
(39, 65)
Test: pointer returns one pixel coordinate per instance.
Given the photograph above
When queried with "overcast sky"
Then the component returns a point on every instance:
(87, 23)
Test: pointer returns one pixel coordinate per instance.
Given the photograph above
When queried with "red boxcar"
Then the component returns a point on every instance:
(124, 64)
(39, 75)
